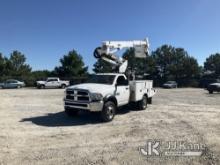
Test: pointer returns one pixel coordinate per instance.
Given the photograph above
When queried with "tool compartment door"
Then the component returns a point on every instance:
(138, 88)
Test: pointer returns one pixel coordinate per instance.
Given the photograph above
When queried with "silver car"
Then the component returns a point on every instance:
(170, 84)
(12, 84)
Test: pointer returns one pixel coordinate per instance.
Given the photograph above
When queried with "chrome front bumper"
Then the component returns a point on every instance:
(89, 106)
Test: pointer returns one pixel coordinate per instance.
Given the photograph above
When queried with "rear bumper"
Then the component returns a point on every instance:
(89, 106)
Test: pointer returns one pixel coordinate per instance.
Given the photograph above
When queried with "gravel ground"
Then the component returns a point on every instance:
(35, 130)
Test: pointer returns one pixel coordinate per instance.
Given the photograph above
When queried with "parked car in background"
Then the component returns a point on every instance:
(52, 82)
(170, 84)
(204, 82)
(214, 87)
(12, 84)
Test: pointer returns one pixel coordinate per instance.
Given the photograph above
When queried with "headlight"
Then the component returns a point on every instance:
(96, 96)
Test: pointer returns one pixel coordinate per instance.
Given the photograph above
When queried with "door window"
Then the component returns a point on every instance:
(121, 81)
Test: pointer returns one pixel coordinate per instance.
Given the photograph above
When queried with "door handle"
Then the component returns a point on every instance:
(126, 88)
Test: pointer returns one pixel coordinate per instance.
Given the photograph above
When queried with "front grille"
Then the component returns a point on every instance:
(69, 97)
(82, 93)
(76, 104)
(83, 98)
(77, 95)
(69, 92)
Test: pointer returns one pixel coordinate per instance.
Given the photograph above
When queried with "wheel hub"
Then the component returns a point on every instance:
(110, 112)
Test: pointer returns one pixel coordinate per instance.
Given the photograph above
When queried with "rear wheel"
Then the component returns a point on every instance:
(71, 112)
(42, 87)
(63, 86)
(142, 105)
(108, 111)
(210, 92)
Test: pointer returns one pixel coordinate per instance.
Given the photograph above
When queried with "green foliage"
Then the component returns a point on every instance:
(71, 65)
(14, 67)
(41, 74)
(16, 64)
(102, 66)
(139, 65)
(212, 64)
(2, 65)
(175, 64)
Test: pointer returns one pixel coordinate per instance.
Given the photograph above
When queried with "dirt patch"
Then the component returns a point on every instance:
(35, 130)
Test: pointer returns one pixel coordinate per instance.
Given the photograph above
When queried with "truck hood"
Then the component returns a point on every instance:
(94, 88)
(41, 82)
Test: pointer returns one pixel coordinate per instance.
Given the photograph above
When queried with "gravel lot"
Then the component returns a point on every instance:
(35, 130)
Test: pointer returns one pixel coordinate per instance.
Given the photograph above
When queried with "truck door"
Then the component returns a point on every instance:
(56, 83)
(50, 83)
(122, 90)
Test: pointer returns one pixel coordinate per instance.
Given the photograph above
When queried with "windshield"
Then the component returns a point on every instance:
(101, 79)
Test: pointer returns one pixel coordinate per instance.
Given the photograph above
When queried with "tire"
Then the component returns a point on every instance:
(42, 87)
(210, 92)
(63, 86)
(71, 112)
(142, 105)
(149, 100)
(18, 86)
(108, 111)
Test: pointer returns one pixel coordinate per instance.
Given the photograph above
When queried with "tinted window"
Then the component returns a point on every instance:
(51, 80)
(11, 81)
(121, 81)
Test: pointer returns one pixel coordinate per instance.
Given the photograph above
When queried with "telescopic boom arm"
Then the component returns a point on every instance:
(109, 48)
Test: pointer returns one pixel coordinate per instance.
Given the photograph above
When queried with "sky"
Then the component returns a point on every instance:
(45, 30)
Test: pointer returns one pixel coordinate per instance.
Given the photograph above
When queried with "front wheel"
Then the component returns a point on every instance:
(63, 86)
(142, 105)
(108, 111)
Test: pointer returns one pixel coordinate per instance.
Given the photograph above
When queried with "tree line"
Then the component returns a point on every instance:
(15, 67)
(164, 64)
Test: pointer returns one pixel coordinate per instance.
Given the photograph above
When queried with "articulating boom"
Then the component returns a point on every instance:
(109, 48)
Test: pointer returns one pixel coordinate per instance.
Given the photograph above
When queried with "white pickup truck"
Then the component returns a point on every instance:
(52, 82)
(106, 92)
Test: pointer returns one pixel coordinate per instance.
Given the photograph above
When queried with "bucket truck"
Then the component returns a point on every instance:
(106, 92)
